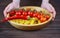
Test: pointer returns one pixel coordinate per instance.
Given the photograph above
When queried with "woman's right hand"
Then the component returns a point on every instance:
(10, 7)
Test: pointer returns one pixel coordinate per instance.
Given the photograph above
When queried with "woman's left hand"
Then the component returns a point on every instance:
(50, 8)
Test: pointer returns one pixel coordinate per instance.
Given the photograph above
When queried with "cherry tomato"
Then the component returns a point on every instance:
(47, 16)
(24, 17)
(43, 19)
(30, 13)
(21, 10)
(18, 13)
(24, 13)
(12, 13)
(39, 16)
(35, 14)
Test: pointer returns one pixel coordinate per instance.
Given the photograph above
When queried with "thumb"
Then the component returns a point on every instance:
(5, 10)
(53, 10)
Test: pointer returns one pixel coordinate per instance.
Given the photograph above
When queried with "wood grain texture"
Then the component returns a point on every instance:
(52, 31)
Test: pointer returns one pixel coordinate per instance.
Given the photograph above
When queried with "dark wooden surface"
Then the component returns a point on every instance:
(52, 31)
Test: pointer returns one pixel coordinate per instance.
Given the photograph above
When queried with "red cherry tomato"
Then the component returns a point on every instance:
(47, 16)
(30, 14)
(24, 13)
(18, 13)
(12, 13)
(24, 17)
(35, 14)
(21, 10)
(39, 16)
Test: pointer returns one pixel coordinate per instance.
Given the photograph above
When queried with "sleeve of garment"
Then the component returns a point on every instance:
(16, 1)
(45, 1)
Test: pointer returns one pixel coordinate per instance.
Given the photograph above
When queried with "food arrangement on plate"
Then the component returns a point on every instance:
(29, 17)
(26, 16)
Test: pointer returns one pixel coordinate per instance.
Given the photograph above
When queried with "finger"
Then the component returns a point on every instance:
(48, 8)
(53, 11)
(10, 8)
(5, 11)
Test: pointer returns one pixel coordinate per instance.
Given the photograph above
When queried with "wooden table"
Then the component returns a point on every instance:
(52, 31)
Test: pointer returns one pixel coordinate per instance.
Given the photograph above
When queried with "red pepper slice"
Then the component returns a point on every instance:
(15, 17)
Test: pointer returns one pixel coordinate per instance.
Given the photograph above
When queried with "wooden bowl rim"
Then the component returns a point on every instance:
(32, 24)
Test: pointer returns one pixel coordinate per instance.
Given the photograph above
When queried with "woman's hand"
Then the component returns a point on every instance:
(11, 6)
(50, 8)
